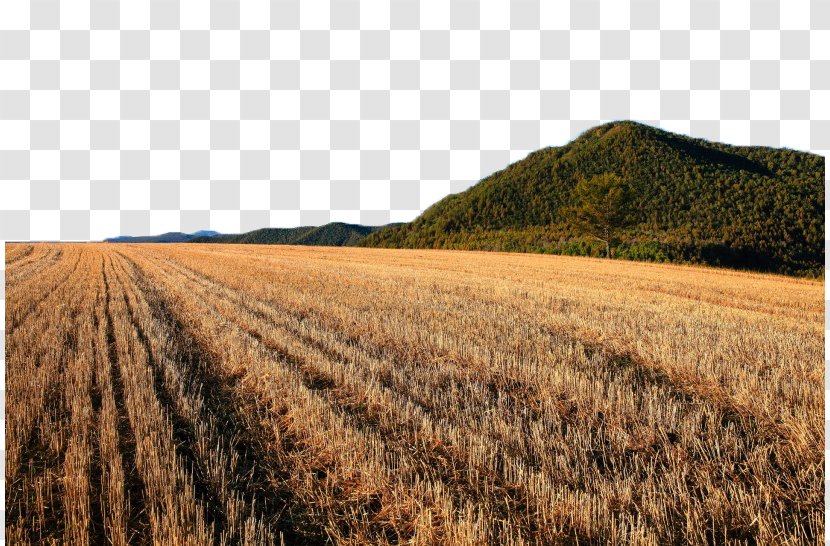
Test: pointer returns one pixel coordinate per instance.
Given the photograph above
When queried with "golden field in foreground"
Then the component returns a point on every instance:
(219, 394)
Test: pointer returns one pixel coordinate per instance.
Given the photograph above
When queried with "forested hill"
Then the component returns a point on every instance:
(692, 201)
(333, 234)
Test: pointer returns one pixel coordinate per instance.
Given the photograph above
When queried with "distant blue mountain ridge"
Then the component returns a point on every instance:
(169, 237)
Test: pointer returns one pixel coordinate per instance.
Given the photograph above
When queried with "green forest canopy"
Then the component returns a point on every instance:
(692, 201)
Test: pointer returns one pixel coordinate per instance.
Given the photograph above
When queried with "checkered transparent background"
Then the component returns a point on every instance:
(146, 117)
(152, 116)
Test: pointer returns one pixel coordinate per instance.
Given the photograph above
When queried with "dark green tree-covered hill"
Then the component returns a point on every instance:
(693, 201)
(333, 234)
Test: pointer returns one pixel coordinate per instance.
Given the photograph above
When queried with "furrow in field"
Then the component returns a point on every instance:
(48, 478)
(34, 369)
(792, 477)
(34, 504)
(679, 440)
(15, 253)
(184, 437)
(228, 467)
(128, 497)
(175, 515)
(230, 448)
(108, 473)
(294, 320)
(60, 276)
(790, 435)
(321, 377)
(83, 464)
(343, 383)
(686, 386)
(354, 365)
(28, 269)
(34, 256)
(307, 406)
(755, 294)
(563, 279)
(401, 369)
(190, 394)
(532, 315)
(76, 467)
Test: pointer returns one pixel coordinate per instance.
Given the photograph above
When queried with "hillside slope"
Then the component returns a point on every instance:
(695, 201)
(332, 234)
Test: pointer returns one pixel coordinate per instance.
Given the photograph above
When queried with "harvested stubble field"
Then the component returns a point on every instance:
(189, 394)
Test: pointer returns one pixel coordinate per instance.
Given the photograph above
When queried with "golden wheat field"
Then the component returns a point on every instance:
(219, 394)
